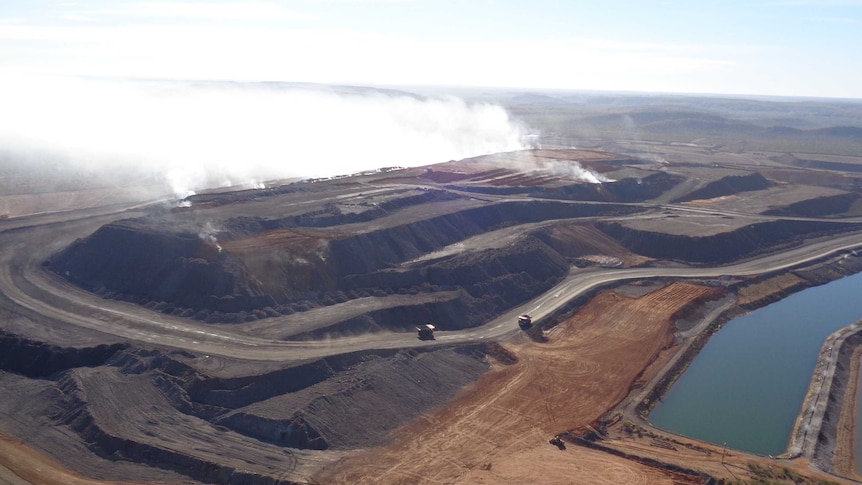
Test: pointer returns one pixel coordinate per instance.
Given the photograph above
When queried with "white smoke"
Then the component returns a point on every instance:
(208, 233)
(200, 136)
(574, 170)
(536, 162)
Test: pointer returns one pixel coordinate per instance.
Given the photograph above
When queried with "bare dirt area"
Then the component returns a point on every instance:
(770, 288)
(495, 431)
(20, 464)
(843, 457)
(731, 466)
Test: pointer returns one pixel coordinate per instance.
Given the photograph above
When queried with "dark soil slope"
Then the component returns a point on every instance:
(723, 247)
(32, 358)
(287, 270)
(140, 260)
(153, 408)
(626, 190)
(728, 186)
(819, 207)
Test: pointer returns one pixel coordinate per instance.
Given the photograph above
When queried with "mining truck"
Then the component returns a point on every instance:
(525, 322)
(426, 332)
(558, 442)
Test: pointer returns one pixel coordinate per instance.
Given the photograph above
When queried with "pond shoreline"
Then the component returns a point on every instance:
(817, 274)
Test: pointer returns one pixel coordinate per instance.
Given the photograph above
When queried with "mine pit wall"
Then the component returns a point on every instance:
(729, 185)
(625, 190)
(331, 215)
(489, 283)
(419, 378)
(819, 207)
(79, 418)
(309, 411)
(508, 275)
(724, 247)
(367, 252)
(35, 359)
(137, 260)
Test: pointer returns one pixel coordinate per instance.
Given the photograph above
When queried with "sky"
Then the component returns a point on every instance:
(783, 47)
(111, 86)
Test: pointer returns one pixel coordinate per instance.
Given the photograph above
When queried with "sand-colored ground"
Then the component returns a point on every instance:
(723, 464)
(497, 431)
(20, 464)
(768, 288)
(843, 459)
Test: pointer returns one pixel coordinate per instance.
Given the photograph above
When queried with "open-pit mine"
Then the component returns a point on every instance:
(278, 335)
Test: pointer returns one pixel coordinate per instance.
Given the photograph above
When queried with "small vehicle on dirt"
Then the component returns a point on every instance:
(558, 442)
(426, 332)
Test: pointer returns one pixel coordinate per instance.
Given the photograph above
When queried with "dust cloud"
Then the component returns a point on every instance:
(202, 135)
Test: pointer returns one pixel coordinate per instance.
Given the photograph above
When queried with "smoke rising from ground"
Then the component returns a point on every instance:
(207, 135)
(575, 170)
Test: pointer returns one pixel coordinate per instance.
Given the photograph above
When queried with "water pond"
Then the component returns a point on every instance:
(746, 386)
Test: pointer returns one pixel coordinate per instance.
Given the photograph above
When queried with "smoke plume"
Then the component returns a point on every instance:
(196, 136)
(574, 170)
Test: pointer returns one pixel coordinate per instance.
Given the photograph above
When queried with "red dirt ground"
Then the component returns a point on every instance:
(497, 431)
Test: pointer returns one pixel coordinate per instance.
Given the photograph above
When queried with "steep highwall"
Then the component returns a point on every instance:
(819, 207)
(184, 274)
(729, 185)
(77, 413)
(39, 360)
(724, 247)
(366, 252)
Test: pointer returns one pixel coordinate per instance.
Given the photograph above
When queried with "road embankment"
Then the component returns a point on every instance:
(825, 410)
(825, 427)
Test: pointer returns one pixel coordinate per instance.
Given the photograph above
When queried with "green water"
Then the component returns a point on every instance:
(746, 386)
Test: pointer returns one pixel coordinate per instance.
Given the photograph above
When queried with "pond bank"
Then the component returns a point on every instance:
(825, 429)
(825, 271)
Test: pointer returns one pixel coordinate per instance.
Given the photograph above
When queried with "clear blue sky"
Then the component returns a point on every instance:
(788, 48)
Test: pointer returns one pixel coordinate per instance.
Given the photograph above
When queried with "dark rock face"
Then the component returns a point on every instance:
(488, 283)
(371, 251)
(625, 190)
(39, 360)
(358, 404)
(723, 247)
(297, 261)
(342, 402)
(181, 273)
(107, 440)
(149, 407)
(133, 259)
(729, 185)
(330, 215)
(823, 206)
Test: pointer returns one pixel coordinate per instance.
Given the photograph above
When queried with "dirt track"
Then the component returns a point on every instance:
(496, 431)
